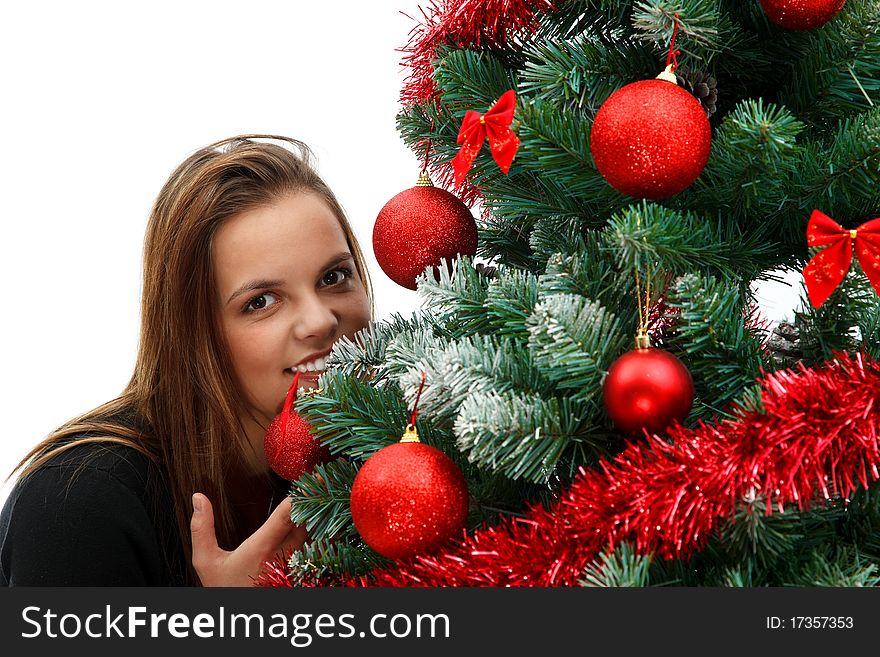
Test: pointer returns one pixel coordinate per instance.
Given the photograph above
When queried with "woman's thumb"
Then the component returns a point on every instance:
(201, 527)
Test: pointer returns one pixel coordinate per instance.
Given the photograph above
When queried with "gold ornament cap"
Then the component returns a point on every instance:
(643, 340)
(668, 75)
(424, 180)
(410, 435)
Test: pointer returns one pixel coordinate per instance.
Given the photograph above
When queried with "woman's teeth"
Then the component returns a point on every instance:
(317, 365)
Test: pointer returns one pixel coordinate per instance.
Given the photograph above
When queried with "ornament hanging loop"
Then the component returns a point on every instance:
(288, 402)
(424, 179)
(671, 58)
(643, 340)
(427, 155)
(411, 435)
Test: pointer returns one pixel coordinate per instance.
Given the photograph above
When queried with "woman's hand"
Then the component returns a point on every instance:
(217, 567)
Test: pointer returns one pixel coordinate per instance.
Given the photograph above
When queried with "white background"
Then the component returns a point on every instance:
(101, 100)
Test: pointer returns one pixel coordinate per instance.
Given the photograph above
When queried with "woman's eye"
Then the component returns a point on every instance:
(261, 302)
(336, 276)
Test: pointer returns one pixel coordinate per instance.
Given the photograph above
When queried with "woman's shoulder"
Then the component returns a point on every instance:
(102, 462)
(100, 466)
(117, 463)
(97, 451)
(91, 504)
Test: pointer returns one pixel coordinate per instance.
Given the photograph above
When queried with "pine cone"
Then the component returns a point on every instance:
(785, 345)
(486, 270)
(702, 85)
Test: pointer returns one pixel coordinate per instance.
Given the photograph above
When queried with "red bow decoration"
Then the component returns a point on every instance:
(828, 267)
(495, 125)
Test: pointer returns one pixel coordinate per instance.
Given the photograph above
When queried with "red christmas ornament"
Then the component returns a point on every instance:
(651, 139)
(408, 498)
(647, 389)
(418, 227)
(801, 14)
(291, 448)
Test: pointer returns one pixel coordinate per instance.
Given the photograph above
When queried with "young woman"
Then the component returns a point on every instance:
(251, 272)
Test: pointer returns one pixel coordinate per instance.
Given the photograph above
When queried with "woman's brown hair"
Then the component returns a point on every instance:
(183, 384)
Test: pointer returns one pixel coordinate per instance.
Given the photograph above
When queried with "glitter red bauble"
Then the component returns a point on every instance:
(647, 389)
(418, 227)
(801, 14)
(651, 139)
(295, 451)
(408, 499)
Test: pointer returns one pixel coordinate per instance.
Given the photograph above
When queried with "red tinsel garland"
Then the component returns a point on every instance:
(463, 24)
(816, 438)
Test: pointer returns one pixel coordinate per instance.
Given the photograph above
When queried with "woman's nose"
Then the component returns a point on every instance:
(314, 319)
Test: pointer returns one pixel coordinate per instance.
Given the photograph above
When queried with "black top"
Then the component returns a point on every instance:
(94, 515)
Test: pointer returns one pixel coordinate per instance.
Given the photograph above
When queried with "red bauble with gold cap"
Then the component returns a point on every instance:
(651, 139)
(647, 389)
(801, 14)
(290, 446)
(417, 228)
(408, 499)
(292, 449)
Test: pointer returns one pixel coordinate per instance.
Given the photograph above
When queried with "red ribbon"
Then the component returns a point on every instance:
(672, 57)
(494, 124)
(285, 413)
(828, 267)
(415, 410)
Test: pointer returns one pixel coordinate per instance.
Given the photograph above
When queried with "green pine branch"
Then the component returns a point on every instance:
(837, 326)
(321, 500)
(622, 567)
(702, 29)
(524, 198)
(869, 328)
(328, 561)
(579, 74)
(601, 18)
(459, 295)
(574, 341)
(841, 176)
(555, 141)
(505, 240)
(471, 80)
(525, 436)
(461, 368)
(843, 568)
(510, 300)
(354, 417)
(363, 355)
(591, 267)
(838, 74)
(723, 355)
(751, 166)
(651, 237)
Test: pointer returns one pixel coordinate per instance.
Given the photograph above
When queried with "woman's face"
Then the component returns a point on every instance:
(287, 290)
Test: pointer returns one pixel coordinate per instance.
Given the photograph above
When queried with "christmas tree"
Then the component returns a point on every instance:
(604, 227)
